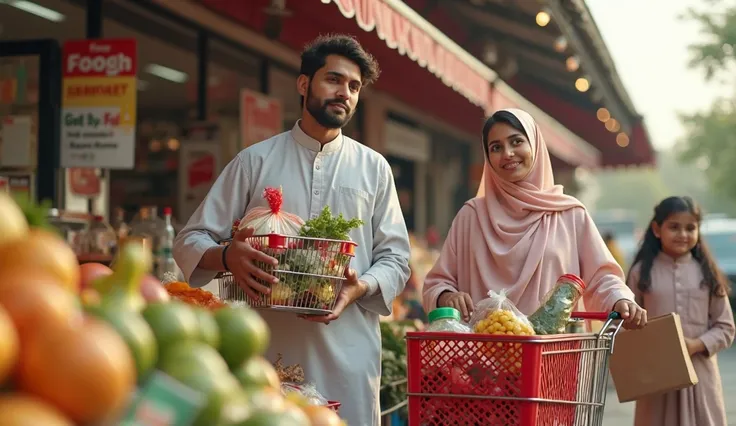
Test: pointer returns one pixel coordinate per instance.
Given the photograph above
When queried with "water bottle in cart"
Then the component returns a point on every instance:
(446, 320)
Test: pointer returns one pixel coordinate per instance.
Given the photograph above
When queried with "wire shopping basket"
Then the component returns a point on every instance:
(310, 272)
(458, 379)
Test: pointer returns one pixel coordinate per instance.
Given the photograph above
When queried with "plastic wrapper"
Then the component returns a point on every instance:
(498, 315)
(558, 304)
(307, 391)
(271, 219)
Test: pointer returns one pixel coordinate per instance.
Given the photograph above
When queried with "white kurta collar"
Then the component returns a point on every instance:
(313, 144)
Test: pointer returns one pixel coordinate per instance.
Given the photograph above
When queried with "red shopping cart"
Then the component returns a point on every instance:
(503, 380)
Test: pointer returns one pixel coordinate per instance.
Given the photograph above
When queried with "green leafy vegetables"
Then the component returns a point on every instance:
(329, 227)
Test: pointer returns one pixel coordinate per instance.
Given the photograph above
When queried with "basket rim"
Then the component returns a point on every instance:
(295, 237)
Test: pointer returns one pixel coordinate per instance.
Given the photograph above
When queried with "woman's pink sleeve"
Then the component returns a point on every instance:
(443, 275)
(598, 269)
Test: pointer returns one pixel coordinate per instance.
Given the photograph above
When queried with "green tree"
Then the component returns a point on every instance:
(711, 135)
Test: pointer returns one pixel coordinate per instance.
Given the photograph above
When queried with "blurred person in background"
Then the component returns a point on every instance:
(522, 232)
(613, 247)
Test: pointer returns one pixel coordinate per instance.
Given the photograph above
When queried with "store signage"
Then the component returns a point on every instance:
(99, 103)
(260, 117)
(84, 182)
(199, 166)
(401, 28)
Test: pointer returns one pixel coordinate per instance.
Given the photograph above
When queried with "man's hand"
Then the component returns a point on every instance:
(458, 300)
(634, 316)
(352, 290)
(241, 258)
(694, 346)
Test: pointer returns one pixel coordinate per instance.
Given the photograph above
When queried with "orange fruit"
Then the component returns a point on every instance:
(26, 410)
(8, 345)
(42, 251)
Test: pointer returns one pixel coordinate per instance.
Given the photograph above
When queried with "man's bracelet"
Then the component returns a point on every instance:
(224, 260)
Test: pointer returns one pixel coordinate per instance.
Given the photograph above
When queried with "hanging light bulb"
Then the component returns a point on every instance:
(572, 63)
(560, 44)
(603, 114)
(622, 140)
(582, 84)
(612, 125)
(543, 18)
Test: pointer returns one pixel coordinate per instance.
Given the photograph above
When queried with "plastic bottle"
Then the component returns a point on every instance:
(166, 261)
(99, 238)
(446, 320)
(554, 313)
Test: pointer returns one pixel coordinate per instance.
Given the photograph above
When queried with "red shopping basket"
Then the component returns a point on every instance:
(501, 380)
(334, 406)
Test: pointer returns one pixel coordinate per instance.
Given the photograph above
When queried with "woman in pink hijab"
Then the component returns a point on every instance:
(522, 232)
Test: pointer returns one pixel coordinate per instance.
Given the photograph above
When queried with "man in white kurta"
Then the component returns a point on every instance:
(341, 358)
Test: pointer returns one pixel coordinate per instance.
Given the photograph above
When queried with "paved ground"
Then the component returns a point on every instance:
(623, 414)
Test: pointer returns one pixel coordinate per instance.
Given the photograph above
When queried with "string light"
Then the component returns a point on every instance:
(560, 44)
(543, 18)
(603, 114)
(613, 125)
(582, 84)
(572, 63)
(622, 140)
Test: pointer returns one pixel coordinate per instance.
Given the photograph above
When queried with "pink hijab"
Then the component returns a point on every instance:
(518, 220)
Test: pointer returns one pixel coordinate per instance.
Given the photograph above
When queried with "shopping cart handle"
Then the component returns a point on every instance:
(599, 316)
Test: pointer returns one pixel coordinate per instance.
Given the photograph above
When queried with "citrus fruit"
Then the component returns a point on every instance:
(14, 226)
(257, 372)
(219, 389)
(137, 335)
(192, 356)
(42, 251)
(172, 323)
(9, 345)
(269, 418)
(33, 300)
(243, 334)
(82, 368)
(208, 330)
(27, 410)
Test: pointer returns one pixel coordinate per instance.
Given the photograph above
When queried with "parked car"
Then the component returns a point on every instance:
(720, 235)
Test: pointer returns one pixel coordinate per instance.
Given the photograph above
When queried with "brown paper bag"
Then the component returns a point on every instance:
(652, 360)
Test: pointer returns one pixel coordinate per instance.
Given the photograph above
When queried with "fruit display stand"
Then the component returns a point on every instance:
(97, 347)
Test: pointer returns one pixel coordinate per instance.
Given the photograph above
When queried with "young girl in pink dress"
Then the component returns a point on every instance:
(522, 232)
(675, 272)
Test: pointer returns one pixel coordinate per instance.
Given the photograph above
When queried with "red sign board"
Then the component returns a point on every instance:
(260, 117)
(84, 182)
(100, 58)
(201, 171)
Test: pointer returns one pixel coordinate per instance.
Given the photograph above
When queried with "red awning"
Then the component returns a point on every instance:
(404, 30)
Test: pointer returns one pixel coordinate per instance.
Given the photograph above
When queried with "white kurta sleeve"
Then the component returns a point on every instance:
(212, 222)
(389, 271)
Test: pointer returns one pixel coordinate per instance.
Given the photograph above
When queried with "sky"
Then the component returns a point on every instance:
(649, 43)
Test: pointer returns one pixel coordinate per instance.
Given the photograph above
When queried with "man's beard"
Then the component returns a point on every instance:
(325, 116)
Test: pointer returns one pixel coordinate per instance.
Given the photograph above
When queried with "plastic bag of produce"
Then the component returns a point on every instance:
(558, 304)
(271, 219)
(307, 391)
(497, 315)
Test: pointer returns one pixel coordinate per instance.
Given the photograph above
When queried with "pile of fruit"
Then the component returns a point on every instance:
(505, 357)
(81, 345)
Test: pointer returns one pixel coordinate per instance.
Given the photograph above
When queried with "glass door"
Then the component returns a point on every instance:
(30, 87)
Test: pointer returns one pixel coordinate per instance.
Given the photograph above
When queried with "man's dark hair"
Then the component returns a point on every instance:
(315, 56)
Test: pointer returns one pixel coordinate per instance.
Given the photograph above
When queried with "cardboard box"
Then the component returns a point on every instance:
(652, 360)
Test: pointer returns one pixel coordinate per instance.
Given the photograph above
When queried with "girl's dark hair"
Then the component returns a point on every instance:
(713, 278)
(501, 117)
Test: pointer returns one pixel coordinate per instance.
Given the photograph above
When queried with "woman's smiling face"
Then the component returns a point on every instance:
(509, 152)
